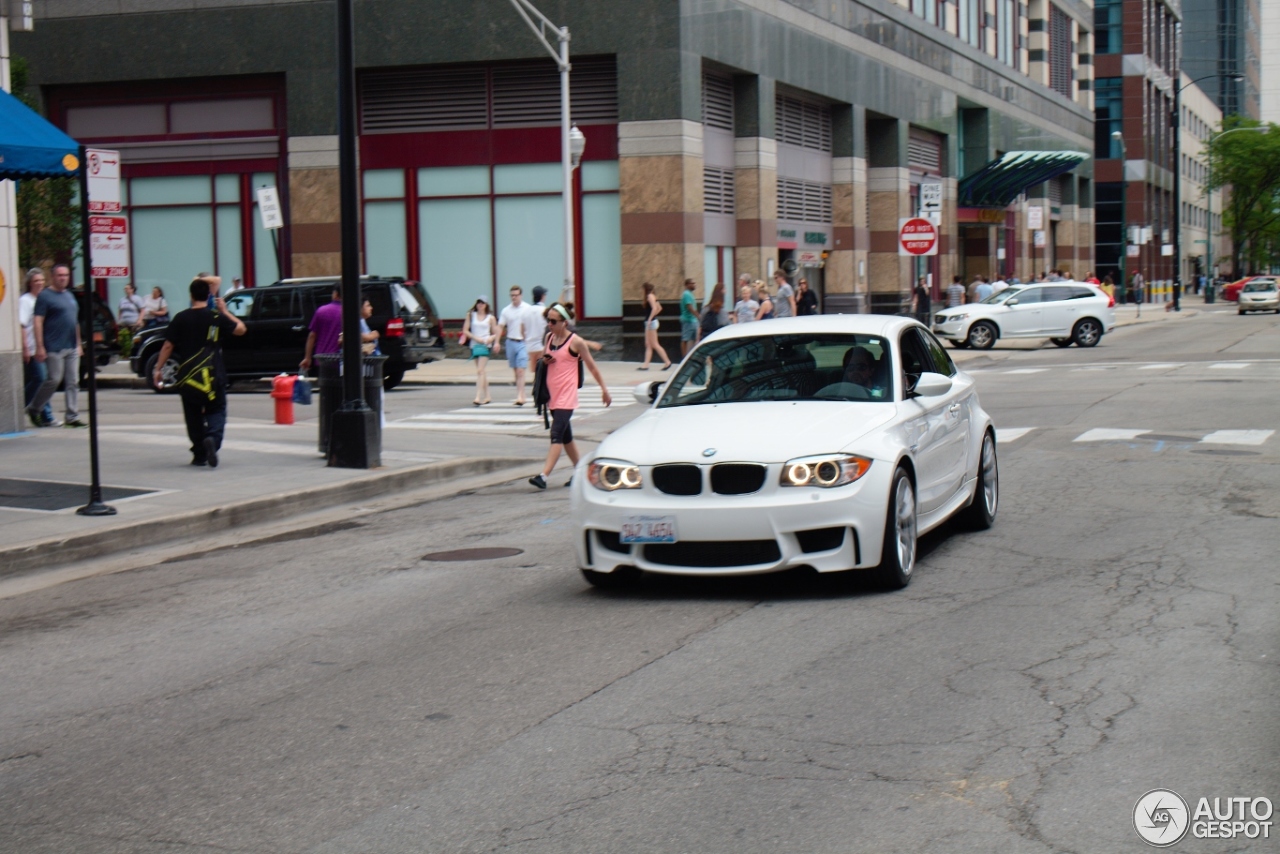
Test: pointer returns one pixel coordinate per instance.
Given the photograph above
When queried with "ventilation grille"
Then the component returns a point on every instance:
(1059, 51)
(517, 94)
(802, 201)
(803, 123)
(924, 152)
(717, 190)
(432, 99)
(717, 101)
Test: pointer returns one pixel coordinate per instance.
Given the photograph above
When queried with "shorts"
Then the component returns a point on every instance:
(688, 330)
(652, 324)
(517, 356)
(561, 432)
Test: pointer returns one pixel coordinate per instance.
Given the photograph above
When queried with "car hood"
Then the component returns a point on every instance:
(763, 431)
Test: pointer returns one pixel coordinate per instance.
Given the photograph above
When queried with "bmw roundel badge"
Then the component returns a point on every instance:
(709, 452)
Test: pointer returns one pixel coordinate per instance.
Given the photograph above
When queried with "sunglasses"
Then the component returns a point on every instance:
(552, 321)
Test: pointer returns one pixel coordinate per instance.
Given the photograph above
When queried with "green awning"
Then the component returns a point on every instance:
(1000, 181)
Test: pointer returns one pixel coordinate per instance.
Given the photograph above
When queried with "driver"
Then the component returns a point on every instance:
(858, 382)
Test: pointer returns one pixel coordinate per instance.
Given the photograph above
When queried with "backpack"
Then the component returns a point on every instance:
(199, 372)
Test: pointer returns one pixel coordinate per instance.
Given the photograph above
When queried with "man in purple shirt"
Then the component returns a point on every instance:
(326, 326)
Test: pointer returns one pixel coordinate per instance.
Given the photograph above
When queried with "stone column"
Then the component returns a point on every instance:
(660, 193)
(314, 217)
(889, 199)
(846, 280)
(755, 152)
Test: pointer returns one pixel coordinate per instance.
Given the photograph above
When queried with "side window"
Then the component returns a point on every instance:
(1055, 293)
(915, 358)
(277, 304)
(1082, 293)
(1026, 296)
(941, 361)
(379, 296)
(240, 303)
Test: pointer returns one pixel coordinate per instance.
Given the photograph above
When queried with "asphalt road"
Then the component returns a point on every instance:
(1115, 632)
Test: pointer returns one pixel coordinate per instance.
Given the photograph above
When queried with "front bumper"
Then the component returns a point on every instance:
(709, 522)
(946, 327)
(1258, 305)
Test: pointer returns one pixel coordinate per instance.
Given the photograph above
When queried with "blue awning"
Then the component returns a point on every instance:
(1000, 181)
(30, 147)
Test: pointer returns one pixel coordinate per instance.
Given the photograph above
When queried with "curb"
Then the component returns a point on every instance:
(49, 553)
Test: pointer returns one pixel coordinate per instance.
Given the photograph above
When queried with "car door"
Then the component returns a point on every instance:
(1020, 315)
(961, 401)
(1057, 310)
(237, 350)
(279, 331)
(928, 425)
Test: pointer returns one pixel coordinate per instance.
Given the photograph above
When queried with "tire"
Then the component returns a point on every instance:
(1062, 342)
(620, 578)
(898, 555)
(982, 336)
(392, 377)
(1240, 311)
(1087, 333)
(170, 369)
(981, 512)
(960, 345)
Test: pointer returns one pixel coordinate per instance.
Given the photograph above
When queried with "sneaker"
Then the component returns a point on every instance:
(211, 452)
(569, 482)
(75, 422)
(538, 481)
(199, 462)
(36, 419)
(52, 422)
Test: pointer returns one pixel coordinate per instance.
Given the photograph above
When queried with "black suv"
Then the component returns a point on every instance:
(278, 317)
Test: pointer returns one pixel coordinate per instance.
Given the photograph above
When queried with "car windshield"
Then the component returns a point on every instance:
(839, 367)
(1260, 286)
(996, 299)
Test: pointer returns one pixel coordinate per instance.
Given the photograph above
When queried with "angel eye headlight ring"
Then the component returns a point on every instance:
(824, 472)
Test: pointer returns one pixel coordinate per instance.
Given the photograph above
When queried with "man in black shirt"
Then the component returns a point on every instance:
(923, 302)
(190, 334)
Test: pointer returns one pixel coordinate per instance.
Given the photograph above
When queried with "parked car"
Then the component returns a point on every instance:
(871, 437)
(1258, 294)
(1231, 291)
(1064, 312)
(278, 317)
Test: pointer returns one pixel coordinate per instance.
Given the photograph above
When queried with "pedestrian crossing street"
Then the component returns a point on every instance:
(504, 417)
(1269, 368)
(1008, 435)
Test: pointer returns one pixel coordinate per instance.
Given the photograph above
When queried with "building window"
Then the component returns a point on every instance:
(929, 10)
(1060, 49)
(1007, 32)
(1108, 102)
(969, 22)
(1107, 17)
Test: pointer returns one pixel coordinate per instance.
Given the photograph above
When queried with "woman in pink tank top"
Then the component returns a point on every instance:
(562, 353)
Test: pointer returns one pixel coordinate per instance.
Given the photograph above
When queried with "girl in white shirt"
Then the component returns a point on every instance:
(479, 328)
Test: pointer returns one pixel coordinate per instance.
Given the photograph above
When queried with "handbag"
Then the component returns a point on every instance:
(302, 391)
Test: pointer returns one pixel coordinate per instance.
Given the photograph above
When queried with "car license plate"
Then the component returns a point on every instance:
(648, 529)
(424, 334)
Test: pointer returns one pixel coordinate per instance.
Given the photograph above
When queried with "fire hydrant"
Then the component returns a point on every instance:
(282, 391)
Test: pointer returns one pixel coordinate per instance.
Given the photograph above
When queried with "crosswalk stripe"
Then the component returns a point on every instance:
(1004, 435)
(1108, 434)
(1027, 371)
(1160, 366)
(1237, 437)
(506, 418)
(1230, 366)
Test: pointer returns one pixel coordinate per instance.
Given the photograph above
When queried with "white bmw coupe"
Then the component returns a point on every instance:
(831, 442)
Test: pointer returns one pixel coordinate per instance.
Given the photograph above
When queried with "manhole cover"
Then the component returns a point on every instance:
(21, 494)
(474, 554)
(1223, 452)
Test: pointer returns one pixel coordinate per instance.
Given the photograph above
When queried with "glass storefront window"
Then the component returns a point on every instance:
(528, 178)
(171, 245)
(601, 254)
(530, 243)
(386, 249)
(457, 253)
(454, 181)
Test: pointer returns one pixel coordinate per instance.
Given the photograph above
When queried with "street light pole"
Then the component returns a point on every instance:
(572, 141)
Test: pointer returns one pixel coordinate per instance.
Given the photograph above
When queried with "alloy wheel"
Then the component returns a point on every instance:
(990, 481)
(905, 525)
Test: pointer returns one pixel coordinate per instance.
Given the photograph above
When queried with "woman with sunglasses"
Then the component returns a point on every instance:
(563, 353)
(478, 328)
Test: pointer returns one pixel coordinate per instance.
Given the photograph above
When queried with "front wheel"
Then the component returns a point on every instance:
(981, 512)
(1062, 342)
(898, 555)
(1088, 333)
(392, 377)
(168, 374)
(960, 345)
(982, 336)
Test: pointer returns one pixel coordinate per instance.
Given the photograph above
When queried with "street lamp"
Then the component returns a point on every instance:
(1176, 123)
(572, 141)
(1209, 291)
(1124, 214)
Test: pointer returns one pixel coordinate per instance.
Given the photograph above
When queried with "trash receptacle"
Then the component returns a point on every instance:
(329, 382)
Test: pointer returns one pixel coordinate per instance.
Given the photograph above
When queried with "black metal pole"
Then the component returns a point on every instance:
(95, 507)
(355, 441)
(1177, 193)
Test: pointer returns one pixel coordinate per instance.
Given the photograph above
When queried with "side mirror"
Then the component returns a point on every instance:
(1011, 301)
(647, 393)
(931, 384)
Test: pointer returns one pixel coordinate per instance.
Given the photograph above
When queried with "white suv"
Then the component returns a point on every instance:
(1064, 312)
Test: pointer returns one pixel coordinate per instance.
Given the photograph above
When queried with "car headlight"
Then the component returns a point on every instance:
(611, 475)
(824, 471)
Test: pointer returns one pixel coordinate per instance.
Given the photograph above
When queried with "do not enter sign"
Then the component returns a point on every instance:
(917, 236)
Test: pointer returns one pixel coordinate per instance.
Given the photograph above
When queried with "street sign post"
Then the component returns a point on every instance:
(917, 236)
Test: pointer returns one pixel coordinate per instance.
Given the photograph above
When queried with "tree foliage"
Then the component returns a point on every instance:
(48, 221)
(1248, 163)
